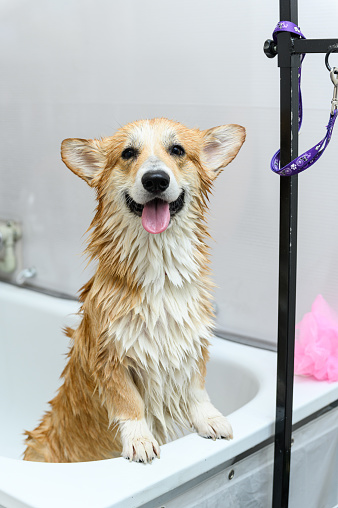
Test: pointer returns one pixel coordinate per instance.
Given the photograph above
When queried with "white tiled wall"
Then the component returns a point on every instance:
(80, 68)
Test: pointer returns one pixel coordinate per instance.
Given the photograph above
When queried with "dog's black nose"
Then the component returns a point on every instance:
(155, 181)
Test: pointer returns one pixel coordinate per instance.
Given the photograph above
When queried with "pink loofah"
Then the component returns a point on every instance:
(316, 347)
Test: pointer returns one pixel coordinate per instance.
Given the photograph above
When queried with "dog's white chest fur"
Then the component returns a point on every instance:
(161, 339)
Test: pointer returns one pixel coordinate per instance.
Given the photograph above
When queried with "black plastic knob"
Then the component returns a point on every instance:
(270, 48)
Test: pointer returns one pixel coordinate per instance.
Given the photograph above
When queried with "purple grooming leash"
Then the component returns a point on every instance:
(311, 156)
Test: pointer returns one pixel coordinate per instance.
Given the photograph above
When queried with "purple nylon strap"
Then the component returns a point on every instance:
(309, 157)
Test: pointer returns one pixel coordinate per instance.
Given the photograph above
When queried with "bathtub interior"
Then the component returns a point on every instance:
(33, 355)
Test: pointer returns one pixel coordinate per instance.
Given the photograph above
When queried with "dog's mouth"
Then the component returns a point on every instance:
(156, 214)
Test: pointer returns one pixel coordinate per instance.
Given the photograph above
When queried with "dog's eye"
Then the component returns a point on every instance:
(177, 150)
(129, 153)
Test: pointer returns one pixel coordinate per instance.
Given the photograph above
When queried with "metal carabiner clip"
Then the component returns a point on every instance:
(334, 79)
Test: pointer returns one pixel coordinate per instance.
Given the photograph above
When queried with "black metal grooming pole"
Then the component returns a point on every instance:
(289, 50)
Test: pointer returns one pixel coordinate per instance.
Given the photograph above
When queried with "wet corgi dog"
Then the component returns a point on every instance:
(136, 369)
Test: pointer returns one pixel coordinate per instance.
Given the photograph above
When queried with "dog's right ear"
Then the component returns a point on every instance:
(85, 157)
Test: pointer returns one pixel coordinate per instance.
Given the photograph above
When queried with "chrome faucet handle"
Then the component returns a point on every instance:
(26, 273)
(10, 233)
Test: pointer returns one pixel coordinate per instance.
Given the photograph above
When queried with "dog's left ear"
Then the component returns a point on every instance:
(85, 157)
(220, 147)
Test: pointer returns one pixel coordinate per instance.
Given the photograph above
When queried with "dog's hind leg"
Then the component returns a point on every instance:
(37, 449)
(32, 455)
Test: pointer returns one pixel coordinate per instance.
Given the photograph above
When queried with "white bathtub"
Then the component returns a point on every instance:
(240, 381)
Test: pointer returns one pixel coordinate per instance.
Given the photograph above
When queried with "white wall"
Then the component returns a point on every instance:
(80, 68)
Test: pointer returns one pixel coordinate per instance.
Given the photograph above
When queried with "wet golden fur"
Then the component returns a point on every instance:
(137, 364)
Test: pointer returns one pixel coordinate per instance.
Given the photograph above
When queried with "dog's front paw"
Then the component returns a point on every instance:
(141, 449)
(210, 423)
(217, 427)
(138, 443)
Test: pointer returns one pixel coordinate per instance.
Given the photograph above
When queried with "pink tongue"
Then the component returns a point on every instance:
(156, 216)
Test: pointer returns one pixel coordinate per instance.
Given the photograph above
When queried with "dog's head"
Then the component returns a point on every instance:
(154, 169)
